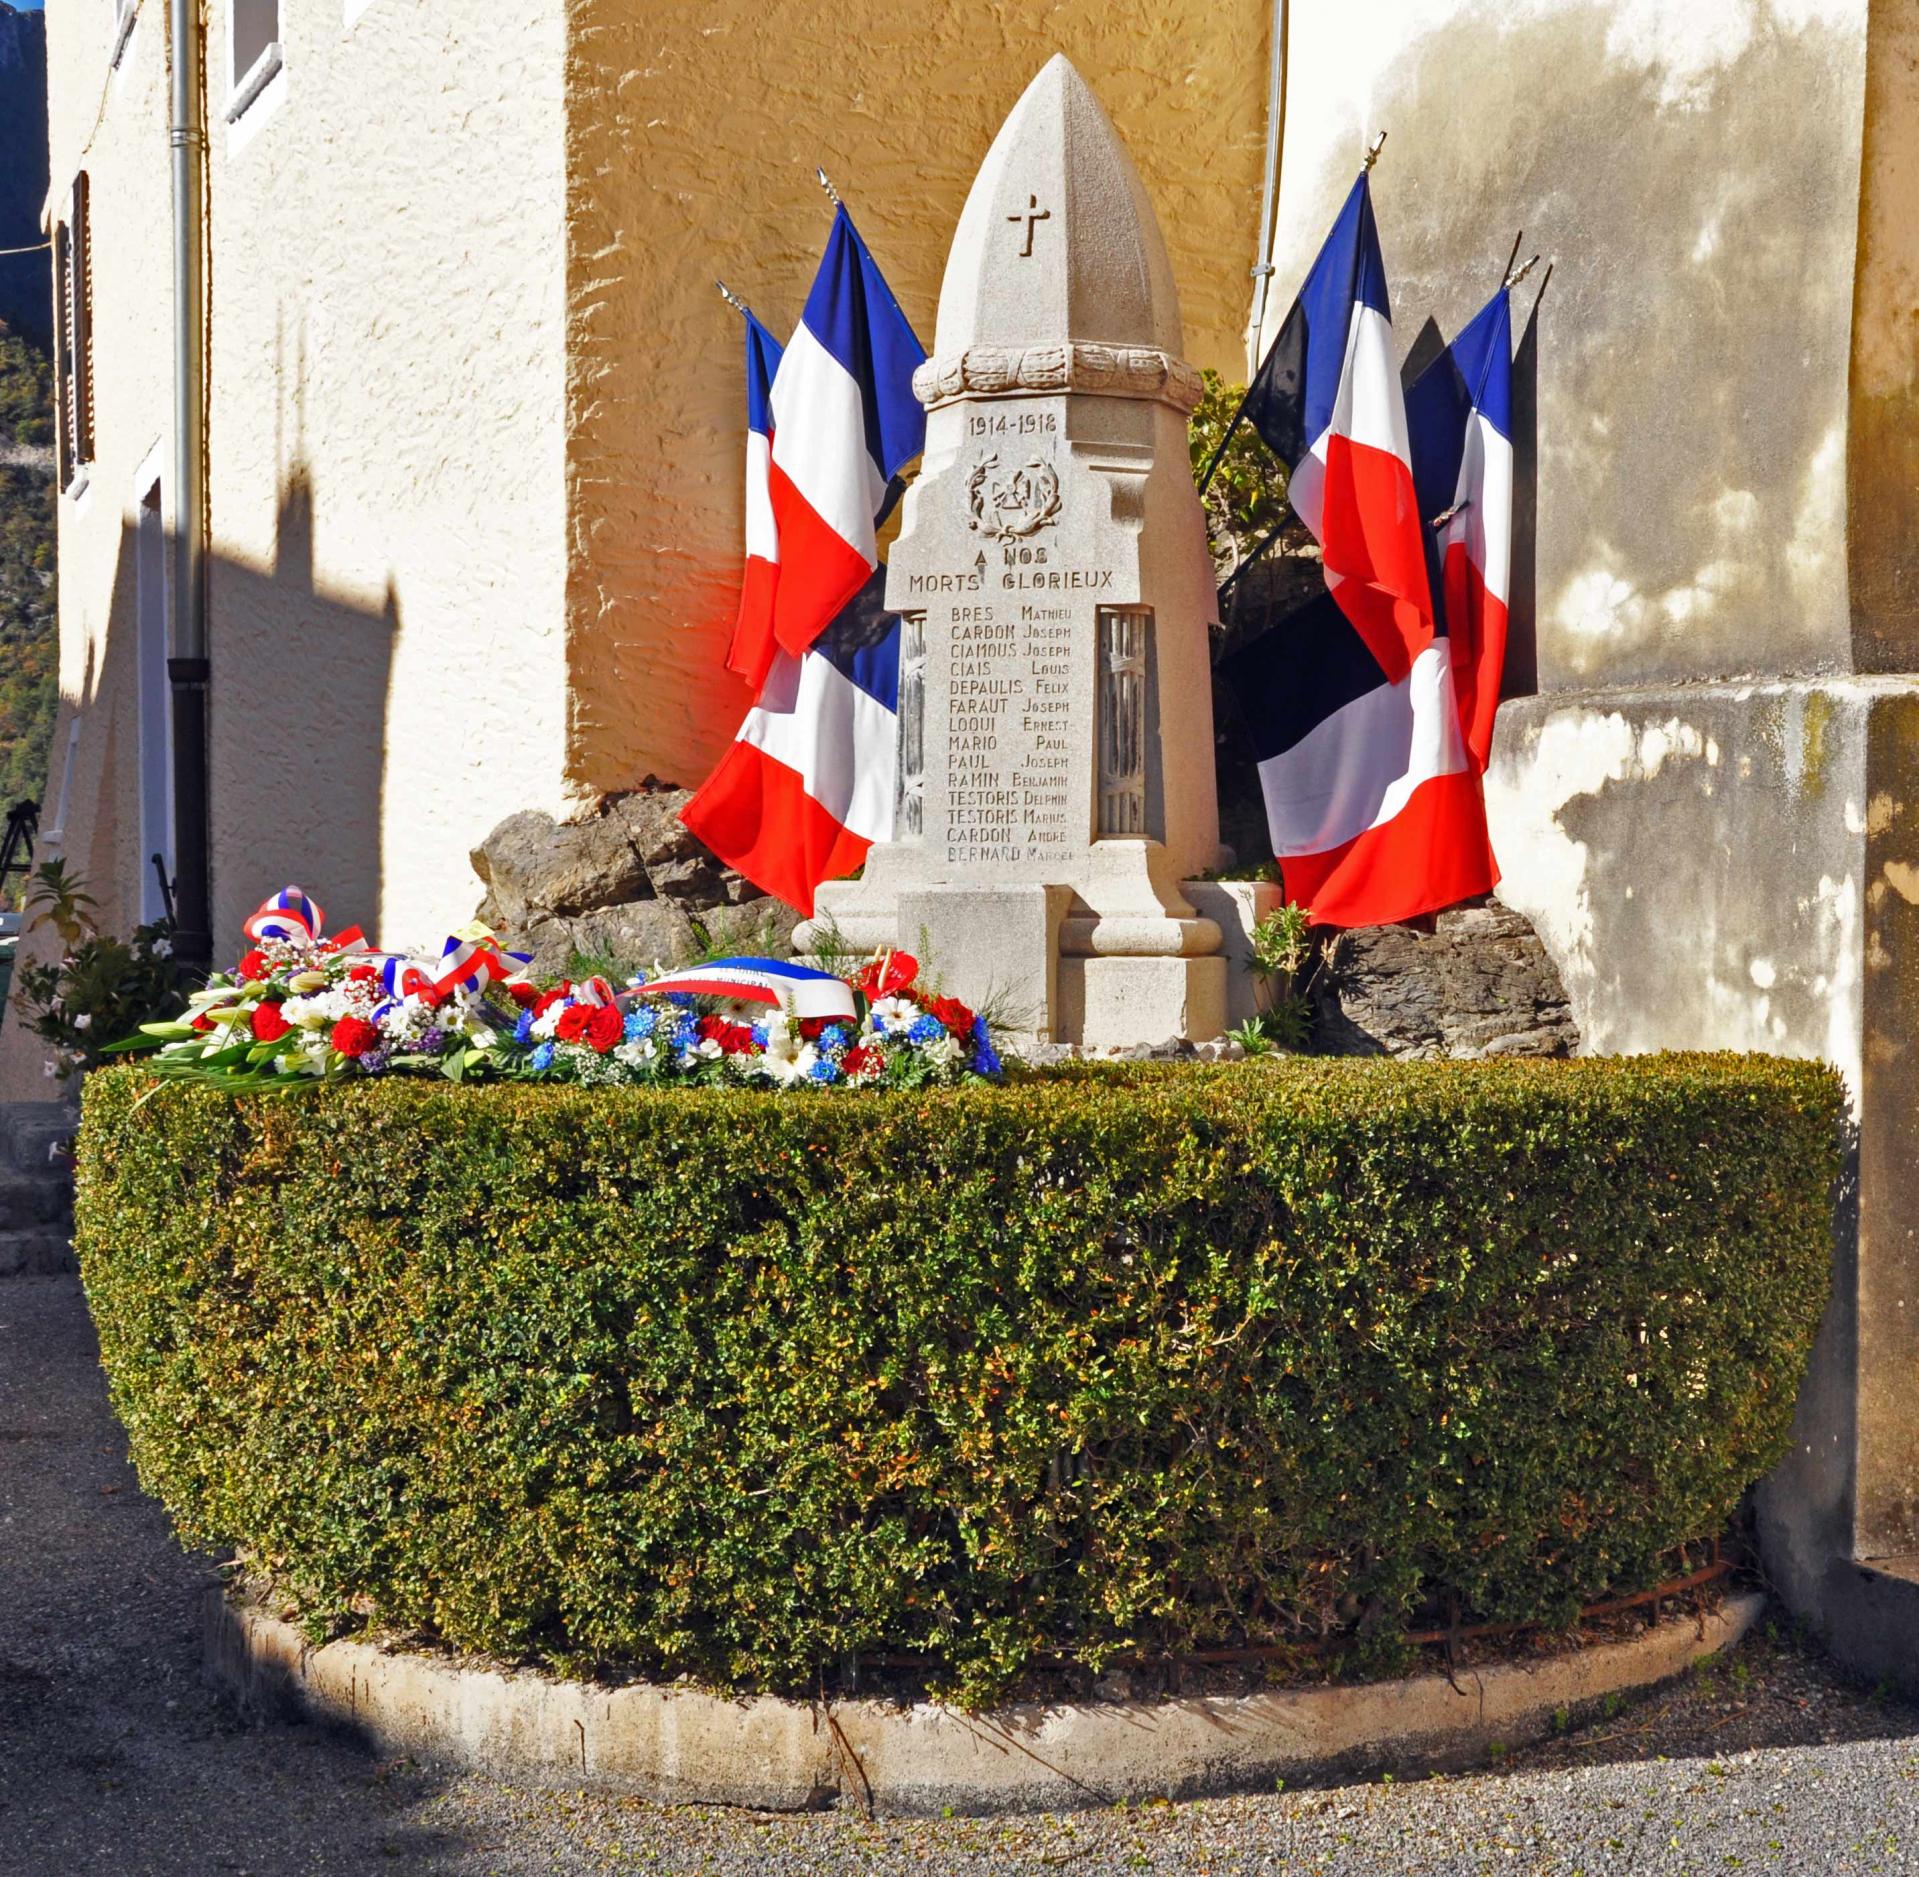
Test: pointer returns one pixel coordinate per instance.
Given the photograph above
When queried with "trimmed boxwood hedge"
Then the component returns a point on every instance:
(746, 1385)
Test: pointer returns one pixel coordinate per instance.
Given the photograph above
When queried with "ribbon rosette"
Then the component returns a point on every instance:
(292, 916)
(477, 962)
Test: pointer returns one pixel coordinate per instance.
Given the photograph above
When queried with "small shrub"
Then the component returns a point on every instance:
(1156, 1358)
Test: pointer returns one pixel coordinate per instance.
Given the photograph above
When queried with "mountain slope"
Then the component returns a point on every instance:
(29, 638)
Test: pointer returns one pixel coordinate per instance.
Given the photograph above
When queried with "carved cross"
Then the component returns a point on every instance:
(1029, 215)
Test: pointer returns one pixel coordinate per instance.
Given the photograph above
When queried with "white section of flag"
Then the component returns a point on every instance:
(1359, 767)
(762, 532)
(819, 441)
(841, 741)
(1485, 524)
(1370, 408)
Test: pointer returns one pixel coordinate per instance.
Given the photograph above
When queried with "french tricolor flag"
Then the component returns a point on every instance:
(1372, 802)
(1459, 411)
(844, 423)
(751, 651)
(810, 782)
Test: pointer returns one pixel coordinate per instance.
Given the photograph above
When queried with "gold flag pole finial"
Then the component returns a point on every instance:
(733, 299)
(1513, 279)
(1373, 149)
(826, 183)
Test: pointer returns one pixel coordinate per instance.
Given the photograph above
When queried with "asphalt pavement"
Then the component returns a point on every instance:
(117, 1761)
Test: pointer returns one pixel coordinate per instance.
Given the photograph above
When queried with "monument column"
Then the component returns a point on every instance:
(1056, 708)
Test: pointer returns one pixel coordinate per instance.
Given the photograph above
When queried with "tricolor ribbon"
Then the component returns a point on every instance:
(801, 990)
(478, 963)
(291, 915)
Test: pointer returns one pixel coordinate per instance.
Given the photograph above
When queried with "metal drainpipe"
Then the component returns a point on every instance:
(1275, 137)
(187, 667)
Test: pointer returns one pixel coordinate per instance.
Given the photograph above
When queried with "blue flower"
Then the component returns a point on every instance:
(759, 1034)
(641, 1024)
(835, 1037)
(541, 1058)
(825, 1070)
(524, 1028)
(985, 1057)
(926, 1030)
(682, 1000)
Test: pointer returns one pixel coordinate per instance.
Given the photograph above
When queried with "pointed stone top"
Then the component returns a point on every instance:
(1058, 242)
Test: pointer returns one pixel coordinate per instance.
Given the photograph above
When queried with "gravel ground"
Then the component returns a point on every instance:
(116, 1762)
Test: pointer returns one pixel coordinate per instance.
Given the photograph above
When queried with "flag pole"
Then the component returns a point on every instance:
(733, 300)
(826, 183)
(1212, 464)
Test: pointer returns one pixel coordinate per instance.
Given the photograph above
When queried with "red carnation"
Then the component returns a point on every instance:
(203, 1023)
(268, 1024)
(889, 976)
(604, 1028)
(363, 974)
(355, 1038)
(953, 1014)
(254, 966)
(547, 999)
(711, 1028)
(813, 1028)
(860, 1060)
(523, 993)
(573, 1021)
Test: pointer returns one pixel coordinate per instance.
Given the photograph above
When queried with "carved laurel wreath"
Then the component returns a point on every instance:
(1010, 507)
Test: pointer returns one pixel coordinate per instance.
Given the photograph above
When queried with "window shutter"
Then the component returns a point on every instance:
(81, 245)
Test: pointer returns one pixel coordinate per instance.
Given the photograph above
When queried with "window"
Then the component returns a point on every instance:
(73, 319)
(253, 36)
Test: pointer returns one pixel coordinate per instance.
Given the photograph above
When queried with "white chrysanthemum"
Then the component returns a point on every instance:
(944, 1050)
(546, 1023)
(304, 1013)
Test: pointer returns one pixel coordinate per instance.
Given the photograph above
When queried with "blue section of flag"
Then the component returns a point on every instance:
(1348, 270)
(1474, 373)
(852, 313)
(763, 355)
(1291, 399)
(863, 642)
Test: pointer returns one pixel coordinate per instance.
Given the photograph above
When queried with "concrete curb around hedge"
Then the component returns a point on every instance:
(684, 1746)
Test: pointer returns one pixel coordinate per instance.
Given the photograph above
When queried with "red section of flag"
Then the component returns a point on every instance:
(818, 573)
(1476, 623)
(756, 815)
(1370, 533)
(752, 648)
(1431, 855)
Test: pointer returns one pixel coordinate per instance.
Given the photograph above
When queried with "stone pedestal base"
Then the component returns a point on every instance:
(996, 948)
(1118, 1002)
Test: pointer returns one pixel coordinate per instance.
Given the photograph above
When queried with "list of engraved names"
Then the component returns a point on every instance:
(1009, 747)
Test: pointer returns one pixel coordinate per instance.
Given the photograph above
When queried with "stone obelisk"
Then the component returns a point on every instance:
(1056, 733)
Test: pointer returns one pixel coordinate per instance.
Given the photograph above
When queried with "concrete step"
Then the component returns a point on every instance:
(36, 1253)
(26, 1199)
(31, 1132)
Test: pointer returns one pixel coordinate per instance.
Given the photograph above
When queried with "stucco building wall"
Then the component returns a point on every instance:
(386, 442)
(695, 128)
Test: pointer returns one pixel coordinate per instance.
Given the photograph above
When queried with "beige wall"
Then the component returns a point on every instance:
(385, 439)
(695, 126)
(132, 406)
(1694, 167)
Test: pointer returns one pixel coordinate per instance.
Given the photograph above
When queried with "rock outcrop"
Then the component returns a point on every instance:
(1479, 984)
(627, 882)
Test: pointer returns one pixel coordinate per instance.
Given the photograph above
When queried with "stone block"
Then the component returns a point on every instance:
(1236, 906)
(1110, 1003)
(996, 948)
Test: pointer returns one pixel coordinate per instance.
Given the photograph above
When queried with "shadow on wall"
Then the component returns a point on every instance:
(1692, 401)
(298, 708)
